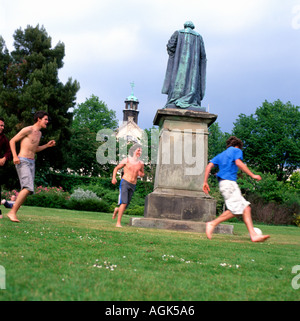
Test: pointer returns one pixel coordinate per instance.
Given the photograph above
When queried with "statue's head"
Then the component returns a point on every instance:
(189, 24)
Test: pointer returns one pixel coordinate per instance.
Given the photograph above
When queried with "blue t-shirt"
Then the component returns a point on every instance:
(226, 163)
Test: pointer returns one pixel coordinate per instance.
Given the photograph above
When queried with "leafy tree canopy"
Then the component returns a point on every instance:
(216, 140)
(94, 115)
(271, 138)
(89, 117)
(29, 82)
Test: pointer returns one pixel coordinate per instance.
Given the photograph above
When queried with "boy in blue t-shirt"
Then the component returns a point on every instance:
(229, 162)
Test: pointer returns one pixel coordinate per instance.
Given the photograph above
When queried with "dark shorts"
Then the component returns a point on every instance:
(126, 191)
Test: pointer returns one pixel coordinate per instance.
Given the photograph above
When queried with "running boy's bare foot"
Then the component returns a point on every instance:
(115, 213)
(118, 225)
(13, 217)
(209, 230)
(259, 238)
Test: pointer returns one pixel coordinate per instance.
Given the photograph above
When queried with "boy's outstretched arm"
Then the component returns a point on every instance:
(141, 172)
(205, 187)
(121, 165)
(18, 137)
(51, 143)
(242, 166)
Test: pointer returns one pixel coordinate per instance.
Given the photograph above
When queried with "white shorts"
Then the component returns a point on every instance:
(234, 200)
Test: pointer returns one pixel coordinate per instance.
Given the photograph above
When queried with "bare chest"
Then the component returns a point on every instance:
(33, 139)
(133, 166)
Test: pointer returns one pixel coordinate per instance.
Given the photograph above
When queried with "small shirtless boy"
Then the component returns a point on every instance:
(29, 138)
(133, 167)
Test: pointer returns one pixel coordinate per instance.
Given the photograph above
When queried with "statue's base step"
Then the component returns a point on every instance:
(178, 225)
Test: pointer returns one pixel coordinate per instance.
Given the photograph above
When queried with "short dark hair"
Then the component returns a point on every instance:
(234, 141)
(39, 115)
(1, 118)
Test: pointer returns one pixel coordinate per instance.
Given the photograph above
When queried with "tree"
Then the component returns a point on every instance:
(4, 61)
(29, 79)
(151, 141)
(89, 117)
(216, 140)
(94, 115)
(82, 153)
(271, 138)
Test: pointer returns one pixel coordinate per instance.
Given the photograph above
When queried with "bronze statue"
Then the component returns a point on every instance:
(186, 71)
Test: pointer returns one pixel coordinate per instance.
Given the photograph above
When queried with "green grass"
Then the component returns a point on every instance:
(56, 255)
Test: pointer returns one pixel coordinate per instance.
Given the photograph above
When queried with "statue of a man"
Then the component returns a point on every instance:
(186, 71)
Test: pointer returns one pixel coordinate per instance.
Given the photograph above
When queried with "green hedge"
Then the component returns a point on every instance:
(70, 182)
(106, 194)
(272, 201)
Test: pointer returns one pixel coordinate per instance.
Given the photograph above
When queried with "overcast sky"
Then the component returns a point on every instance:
(252, 48)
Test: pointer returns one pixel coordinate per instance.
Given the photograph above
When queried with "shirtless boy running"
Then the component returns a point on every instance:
(29, 138)
(133, 167)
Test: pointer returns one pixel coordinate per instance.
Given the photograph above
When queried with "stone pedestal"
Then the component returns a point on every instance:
(184, 226)
(178, 201)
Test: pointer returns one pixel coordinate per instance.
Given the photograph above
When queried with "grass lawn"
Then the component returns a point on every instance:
(68, 255)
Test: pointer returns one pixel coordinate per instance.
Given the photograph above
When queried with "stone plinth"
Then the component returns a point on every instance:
(182, 154)
(179, 207)
(184, 226)
(182, 158)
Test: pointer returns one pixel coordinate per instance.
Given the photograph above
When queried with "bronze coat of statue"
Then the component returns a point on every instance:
(186, 71)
